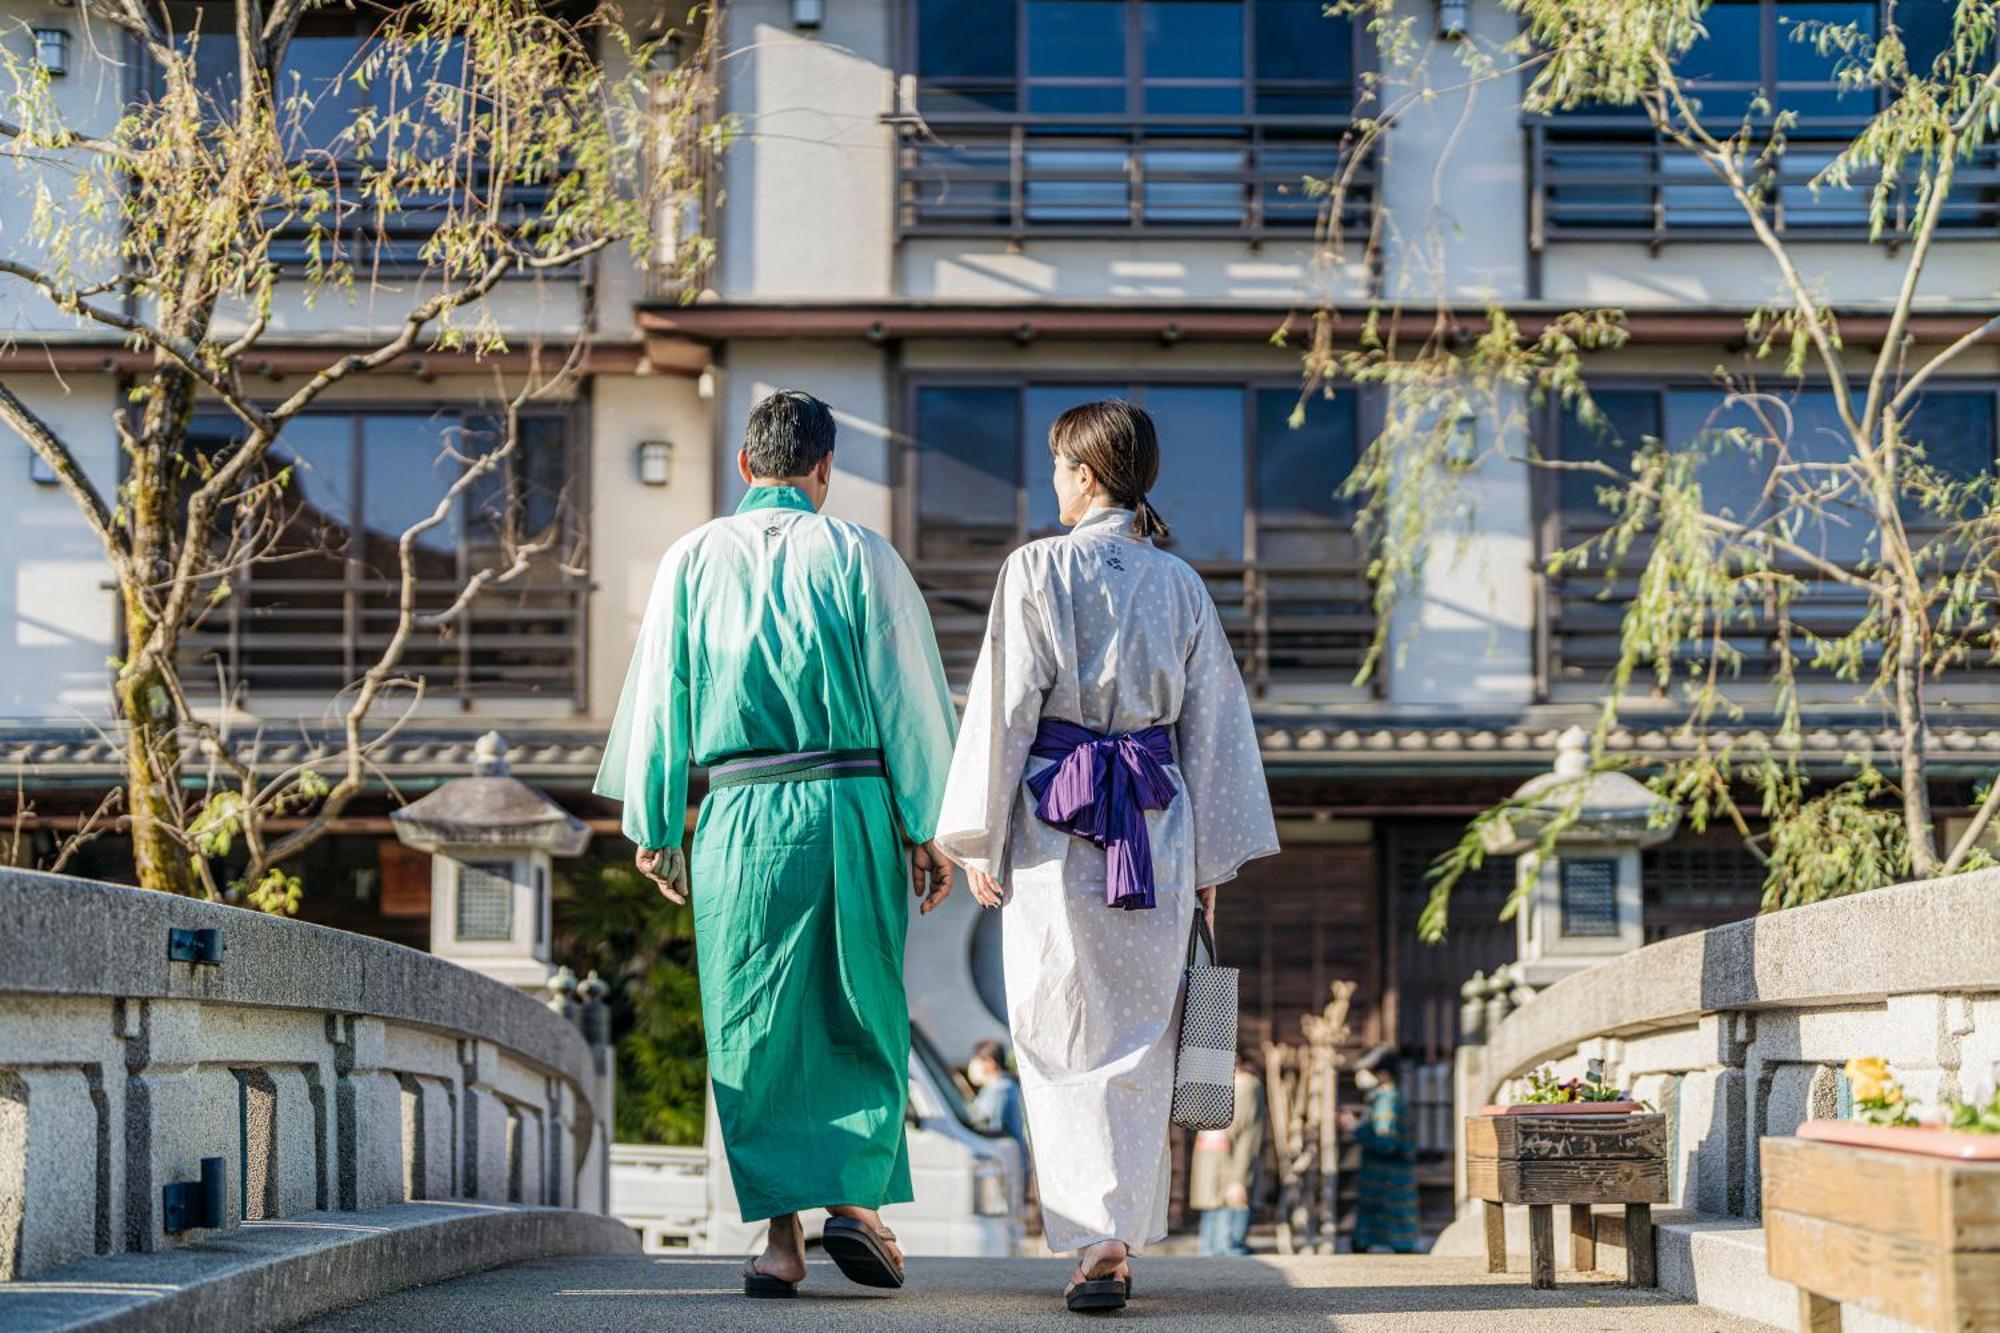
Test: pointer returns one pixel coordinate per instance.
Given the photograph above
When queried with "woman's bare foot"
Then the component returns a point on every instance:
(871, 1219)
(784, 1255)
(1107, 1258)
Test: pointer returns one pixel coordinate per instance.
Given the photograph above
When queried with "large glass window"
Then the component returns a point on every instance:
(1756, 453)
(1252, 498)
(316, 609)
(1603, 170)
(1087, 115)
(1223, 58)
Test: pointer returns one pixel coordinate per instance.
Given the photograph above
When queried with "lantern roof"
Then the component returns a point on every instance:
(1608, 807)
(490, 810)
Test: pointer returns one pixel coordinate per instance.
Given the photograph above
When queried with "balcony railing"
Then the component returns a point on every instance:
(1091, 176)
(1289, 624)
(1607, 178)
(317, 636)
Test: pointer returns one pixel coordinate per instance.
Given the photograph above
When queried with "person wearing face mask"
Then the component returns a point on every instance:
(997, 1105)
(1386, 1211)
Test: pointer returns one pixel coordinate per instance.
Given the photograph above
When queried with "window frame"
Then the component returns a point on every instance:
(1625, 130)
(905, 475)
(907, 46)
(574, 421)
(1005, 138)
(1551, 525)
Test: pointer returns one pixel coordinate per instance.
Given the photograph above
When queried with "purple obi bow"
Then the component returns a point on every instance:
(1100, 789)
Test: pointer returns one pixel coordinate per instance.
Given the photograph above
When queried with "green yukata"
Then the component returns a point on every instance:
(779, 631)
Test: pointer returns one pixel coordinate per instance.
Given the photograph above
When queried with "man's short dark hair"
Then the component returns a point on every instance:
(990, 1049)
(788, 434)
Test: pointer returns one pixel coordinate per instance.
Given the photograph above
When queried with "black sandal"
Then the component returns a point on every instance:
(1099, 1295)
(762, 1286)
(860, 1253)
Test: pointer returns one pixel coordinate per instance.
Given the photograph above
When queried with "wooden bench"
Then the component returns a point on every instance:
(1543, 1159)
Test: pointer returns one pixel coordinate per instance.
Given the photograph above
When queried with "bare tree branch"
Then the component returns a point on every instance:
(51, 450)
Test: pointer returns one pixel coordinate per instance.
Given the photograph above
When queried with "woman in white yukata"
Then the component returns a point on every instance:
(1106, 779)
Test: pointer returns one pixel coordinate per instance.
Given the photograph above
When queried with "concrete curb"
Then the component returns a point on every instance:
(274, 1274)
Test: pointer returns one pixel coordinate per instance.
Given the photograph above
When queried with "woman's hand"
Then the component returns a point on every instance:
(1206, 897)
(989, 891)
(667, 868)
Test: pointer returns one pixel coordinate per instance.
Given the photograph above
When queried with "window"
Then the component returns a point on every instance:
(1740, 439)
(1081, 115)
(1252, 500)
(318, 607)
(1227, 58)
(1602, 170)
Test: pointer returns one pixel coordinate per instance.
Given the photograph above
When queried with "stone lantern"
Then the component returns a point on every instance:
(491, 838)
(1583, 902)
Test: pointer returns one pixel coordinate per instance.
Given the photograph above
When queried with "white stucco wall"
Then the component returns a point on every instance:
(88, 99)
(809, 179)
(57, 619)
(631, 524)
(1464, 637)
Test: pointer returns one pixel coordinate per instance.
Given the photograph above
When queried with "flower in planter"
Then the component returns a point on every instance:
(1543, 1088)
(1878, 1099)
(1970, 1118)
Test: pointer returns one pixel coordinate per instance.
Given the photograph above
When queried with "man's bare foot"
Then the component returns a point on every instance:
(784, 1255)
(871, 1219)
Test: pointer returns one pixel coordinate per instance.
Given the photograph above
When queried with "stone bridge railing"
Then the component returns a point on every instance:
(1741, 1031)
(153, 1092)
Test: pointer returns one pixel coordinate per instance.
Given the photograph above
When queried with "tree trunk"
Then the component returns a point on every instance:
(152, 773)
(146, 700)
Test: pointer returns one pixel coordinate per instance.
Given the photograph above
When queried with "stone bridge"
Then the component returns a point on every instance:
(215, 1118)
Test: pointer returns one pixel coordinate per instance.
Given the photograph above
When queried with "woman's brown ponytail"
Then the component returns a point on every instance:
(1117, 442)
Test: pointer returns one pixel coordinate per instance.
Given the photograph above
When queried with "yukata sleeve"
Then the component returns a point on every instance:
(1222, 771)
(646, 755)
(1003, 707)
(908, 695)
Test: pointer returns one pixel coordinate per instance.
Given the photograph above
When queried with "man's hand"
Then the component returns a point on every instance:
(989, 891)
(1236, 1196)
(667, 868)
(930, 875)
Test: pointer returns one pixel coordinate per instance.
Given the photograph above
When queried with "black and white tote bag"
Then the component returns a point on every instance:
(1205, 1060)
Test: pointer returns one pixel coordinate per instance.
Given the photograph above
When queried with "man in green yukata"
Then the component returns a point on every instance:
(791, 655)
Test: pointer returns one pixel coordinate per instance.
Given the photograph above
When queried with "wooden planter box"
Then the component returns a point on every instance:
(1910, 1230)
(1542, 1156)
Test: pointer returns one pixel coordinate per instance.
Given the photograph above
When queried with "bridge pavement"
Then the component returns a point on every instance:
(1368, 1294)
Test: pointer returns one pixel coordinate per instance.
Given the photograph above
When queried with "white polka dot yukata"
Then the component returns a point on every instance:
(1102, 629)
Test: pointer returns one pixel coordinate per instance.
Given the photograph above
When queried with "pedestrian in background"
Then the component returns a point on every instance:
(996, 1107)
(1386, 1212)
(1229, 1168)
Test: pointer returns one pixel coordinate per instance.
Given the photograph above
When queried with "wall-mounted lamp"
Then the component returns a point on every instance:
(656, 462)
(39, 470)
(1454, 18)
(808, 13)
(704, 384)
(52, 50)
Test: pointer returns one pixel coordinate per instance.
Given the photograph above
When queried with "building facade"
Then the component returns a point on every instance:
(952, 220)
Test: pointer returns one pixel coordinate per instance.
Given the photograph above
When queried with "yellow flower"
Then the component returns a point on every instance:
(1869, 1079)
